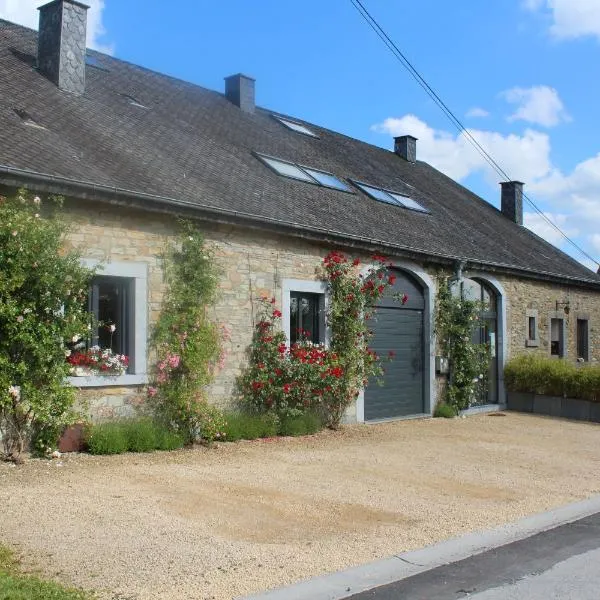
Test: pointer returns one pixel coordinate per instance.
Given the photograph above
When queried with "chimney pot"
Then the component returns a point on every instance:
(240, 90)
(406, 147)
(61, 44)
(512, 201)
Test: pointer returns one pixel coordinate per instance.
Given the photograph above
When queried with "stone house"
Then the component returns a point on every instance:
(131, 150)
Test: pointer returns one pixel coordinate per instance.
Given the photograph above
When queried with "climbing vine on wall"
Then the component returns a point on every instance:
(456, 320)
(186, 341)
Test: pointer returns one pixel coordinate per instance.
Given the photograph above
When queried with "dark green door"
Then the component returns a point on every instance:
(399, 329)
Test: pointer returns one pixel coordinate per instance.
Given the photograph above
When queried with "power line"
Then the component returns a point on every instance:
(385, 38)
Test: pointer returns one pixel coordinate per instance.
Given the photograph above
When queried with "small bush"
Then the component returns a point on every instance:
(135, 435)
(538, 374)
(305, 424)
(444, 411)
(142, 435)
(244, 426)
(169, 440)
(107, 438)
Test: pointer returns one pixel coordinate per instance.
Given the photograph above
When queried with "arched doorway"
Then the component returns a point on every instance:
(399, 329)
(487, 333)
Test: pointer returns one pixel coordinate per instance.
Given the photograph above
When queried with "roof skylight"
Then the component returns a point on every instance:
(296, 126)
(294, 171)
(390, 197)
(27, 119)
(133, 101)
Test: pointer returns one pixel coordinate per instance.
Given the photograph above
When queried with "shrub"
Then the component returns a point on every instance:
(133, 435)
(142, 435)
(309, 377)
(42, 296)
(304, 424)
(445, 411)
(244, 426)
(537, 374)
(107, 438)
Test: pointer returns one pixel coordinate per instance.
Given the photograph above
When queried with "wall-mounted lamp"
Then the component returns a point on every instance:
(566, 306)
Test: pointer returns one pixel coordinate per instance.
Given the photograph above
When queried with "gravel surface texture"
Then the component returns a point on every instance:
(240, 518)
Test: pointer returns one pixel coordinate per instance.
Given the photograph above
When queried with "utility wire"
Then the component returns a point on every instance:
(385, 38)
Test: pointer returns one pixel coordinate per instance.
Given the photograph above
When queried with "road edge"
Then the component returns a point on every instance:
(342, 584)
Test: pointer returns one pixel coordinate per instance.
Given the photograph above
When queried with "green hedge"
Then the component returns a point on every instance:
(244, 426)
(552, 377)
(135, 435)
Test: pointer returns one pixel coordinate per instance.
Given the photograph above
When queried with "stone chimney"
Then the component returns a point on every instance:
(406, 147)
(512, 201)
(61, 44)
(239, 90)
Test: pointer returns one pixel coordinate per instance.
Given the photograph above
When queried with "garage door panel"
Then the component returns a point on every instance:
(401, 331)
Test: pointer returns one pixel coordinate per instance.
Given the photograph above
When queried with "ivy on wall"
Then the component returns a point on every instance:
(456, 321)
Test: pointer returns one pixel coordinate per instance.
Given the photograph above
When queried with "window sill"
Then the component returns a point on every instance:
(107, 381)
(532, 344)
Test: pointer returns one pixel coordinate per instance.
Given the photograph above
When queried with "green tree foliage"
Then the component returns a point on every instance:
(42, 298)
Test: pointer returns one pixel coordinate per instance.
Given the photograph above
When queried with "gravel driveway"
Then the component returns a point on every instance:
(239, 518)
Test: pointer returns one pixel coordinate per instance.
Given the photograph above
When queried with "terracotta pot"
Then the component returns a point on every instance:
(72, 439)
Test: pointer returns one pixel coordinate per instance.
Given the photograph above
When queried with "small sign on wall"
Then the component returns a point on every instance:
(441, 365)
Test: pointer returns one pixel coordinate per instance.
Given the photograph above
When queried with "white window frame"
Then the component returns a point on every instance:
(309, 287)
(137, 272)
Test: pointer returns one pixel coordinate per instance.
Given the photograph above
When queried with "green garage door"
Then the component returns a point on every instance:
(399, 329)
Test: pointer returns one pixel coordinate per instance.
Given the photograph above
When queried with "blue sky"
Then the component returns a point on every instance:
(520, 74)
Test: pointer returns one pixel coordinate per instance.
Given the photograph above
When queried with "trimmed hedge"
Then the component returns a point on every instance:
(552, 377)
(134, 435)
(245, 426)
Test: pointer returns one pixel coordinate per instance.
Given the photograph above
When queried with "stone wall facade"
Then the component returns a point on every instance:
(253, 264)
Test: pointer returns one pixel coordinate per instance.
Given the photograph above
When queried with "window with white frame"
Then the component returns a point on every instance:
(303, 309)
(118, 300)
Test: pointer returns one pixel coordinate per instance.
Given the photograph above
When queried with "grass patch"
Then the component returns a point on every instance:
(444, 411)
(15, 585)
(135, 435)
(305, 424)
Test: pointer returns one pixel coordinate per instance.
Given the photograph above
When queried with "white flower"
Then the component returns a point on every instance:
(37, 200)
(26, 311)
(37, 215)
(480, 376)
(191, 238)
(67, 353)
(56, 454)
(20, 319)
(15, 392)
(112, 328)
(75, 338)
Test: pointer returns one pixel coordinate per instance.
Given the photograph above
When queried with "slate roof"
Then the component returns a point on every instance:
(193, 146)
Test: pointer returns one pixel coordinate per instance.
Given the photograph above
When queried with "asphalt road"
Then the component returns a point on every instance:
(559, 564)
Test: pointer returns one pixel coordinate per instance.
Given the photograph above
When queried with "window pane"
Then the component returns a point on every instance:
(109, 305)
(556, 337)
(296, 127)
(407, 202)
(286, 169)
(582, 339)
(471, 290)
(327, 179)
(377, 193)
(532, 333)
(304, 317)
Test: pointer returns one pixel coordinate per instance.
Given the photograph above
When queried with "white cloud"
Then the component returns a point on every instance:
(572, 201)
(476, 112)
(570, 18)
(25, 13)
(539, 225)
(525, 157)
(539, 104)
